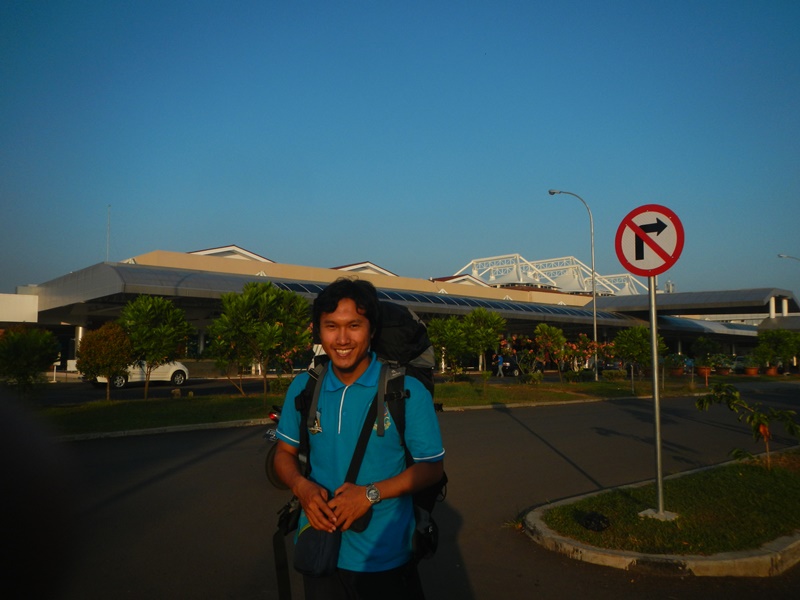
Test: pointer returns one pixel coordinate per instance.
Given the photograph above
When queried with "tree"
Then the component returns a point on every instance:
(482, 329)
(581, 351)
(704, 349)
(449, 341)
(105, 352)
(550, 340)
(158, 331)
(260, 325)
(776, 345)
(522, 349)
(26, 353)
(633, 345)
(757, 418)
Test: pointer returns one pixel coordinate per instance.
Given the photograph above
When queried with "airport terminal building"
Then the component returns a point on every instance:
(556, 292)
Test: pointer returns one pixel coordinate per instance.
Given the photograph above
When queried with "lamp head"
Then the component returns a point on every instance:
(554, 192)
(783, 256)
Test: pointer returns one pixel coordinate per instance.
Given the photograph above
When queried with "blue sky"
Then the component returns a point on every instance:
(417, 135)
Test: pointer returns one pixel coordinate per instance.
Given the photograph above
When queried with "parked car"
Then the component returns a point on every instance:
(610, 365)
(175, 372)
(739, 363)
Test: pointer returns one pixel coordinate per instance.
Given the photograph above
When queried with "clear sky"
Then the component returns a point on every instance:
(416, 135)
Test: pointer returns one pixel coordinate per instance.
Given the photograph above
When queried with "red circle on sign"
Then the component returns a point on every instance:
(639, 243)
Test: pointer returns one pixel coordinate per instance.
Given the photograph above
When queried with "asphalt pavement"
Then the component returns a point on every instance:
(189, 514)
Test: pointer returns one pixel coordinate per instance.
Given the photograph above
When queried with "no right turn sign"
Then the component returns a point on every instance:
(649, 240)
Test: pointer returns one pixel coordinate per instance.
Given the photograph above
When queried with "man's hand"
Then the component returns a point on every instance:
(349, 502)
(314, 500)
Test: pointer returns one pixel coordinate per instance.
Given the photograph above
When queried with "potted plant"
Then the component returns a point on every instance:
(751, 364)
(767, 358)
(704, 349)
(675, 364)
(702, 370)
(722, 364)
(702, 364)
(776, 346)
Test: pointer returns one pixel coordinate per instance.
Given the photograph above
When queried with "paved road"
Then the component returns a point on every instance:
(190, 515)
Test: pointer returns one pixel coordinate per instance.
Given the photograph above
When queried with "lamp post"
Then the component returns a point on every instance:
(594, 285)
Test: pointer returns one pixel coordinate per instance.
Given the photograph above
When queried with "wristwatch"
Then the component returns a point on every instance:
(373, 494)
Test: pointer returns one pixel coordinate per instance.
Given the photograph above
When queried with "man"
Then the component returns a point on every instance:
(375, 562)
(499, 365)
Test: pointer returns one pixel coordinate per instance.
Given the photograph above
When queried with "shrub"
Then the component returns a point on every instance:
(279, 385)
(614, 375)
(24, 354)
(536, 377)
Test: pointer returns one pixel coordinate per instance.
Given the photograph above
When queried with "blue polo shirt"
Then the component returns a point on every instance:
(342, 409)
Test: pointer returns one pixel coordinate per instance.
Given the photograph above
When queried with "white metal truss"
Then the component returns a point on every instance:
(507, 270)
(567, 274)
(625, 284)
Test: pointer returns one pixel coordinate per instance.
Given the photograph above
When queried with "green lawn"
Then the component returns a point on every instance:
(735, 507)
(127, 415)
(119, 415)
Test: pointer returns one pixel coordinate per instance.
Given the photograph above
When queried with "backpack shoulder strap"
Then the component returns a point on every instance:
(396, 396)
(306, 403)
(391, 389)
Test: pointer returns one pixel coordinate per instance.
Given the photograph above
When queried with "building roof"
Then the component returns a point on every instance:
(232, 251)
(462, 279)
(729, 302)
(102, 289)
(365, 267)
(98, 293)
(196, 281)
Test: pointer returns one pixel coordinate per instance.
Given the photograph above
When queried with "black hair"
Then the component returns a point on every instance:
(363, 293)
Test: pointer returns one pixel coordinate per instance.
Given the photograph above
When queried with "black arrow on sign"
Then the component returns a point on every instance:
(656, 228)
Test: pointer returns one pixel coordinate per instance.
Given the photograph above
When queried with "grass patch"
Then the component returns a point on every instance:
(461, 394)
(127, 415)
(477, 393)
(730, 508)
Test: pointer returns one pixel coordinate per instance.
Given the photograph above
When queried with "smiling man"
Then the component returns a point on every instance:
(376, 561)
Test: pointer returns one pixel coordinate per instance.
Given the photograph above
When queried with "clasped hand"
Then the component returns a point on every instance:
(349, 502)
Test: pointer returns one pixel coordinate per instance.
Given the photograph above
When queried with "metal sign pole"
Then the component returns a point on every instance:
(660, 513)
(656, 395)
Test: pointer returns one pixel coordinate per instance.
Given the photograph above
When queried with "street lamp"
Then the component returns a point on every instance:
(594, 285)
(787, 256)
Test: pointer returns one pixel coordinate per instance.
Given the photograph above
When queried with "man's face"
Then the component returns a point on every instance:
(345, 336)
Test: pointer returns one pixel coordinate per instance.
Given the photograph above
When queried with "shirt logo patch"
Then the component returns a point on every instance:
(387, 421)
(317, 426)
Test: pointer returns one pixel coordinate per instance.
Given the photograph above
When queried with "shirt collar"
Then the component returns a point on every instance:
(369, 378)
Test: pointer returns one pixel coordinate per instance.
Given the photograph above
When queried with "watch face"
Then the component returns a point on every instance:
(373, 494)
